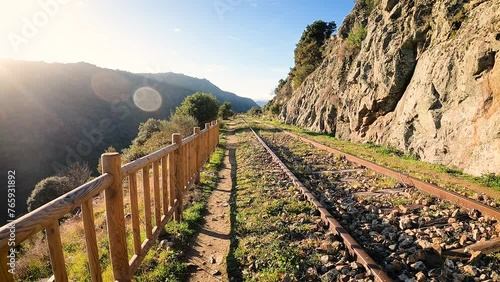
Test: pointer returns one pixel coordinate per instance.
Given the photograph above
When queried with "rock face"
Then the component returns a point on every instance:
(426, 80)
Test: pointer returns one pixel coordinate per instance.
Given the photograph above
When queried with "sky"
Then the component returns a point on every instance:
(242, 46)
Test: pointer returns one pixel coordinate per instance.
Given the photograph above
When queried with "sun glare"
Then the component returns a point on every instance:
(147, 99)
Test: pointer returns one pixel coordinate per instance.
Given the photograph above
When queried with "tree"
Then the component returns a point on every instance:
(308, 52)
(225, 110)
(202, 106)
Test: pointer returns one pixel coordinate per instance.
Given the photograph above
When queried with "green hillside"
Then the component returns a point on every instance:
(52, 115)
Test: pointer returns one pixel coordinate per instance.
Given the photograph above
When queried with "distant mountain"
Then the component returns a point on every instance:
(261, 103)
(52, 115)
(239, 104)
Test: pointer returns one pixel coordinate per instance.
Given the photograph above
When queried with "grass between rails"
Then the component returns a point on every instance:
(449, 178)
(159, 265)
(272, 227)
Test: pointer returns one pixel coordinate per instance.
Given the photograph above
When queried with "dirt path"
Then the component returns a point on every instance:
(207, 255)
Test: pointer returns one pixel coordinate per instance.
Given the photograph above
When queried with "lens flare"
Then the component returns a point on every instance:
(147, 99)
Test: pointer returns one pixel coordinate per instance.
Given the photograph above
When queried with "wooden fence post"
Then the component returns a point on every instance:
(164, 184)
(212, 137)
(217, 132)
(171, 179)
(197, 154)
(206, 146)
(115, 218)
(90, 238)
(4, 267)
(56, 252)
(179, 173)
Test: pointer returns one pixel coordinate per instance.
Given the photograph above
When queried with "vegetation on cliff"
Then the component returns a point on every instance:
(309, 50)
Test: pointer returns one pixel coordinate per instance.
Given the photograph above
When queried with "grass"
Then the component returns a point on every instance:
(267, 244)
(159, 264)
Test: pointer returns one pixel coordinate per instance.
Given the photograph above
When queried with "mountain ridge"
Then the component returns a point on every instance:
(204, 85)
(53, 114)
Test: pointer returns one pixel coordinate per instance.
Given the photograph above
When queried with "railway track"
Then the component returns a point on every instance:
(398, 228)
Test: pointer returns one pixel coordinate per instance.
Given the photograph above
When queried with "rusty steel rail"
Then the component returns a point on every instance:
(425, 187)
(355, 249)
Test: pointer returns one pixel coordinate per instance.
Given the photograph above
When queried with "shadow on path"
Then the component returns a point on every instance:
(233, 265)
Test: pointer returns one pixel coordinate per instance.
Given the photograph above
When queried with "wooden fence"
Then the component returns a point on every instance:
(174, 168)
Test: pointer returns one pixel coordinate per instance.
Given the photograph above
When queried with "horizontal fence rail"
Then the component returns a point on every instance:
(164, 175)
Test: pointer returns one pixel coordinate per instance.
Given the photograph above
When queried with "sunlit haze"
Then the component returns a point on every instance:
(241, 46)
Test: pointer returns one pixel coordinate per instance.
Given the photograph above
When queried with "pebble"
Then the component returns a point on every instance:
(420, 277)
(403, 277)
(406, 243)
(216, 273)
(435, 272)
(471, 270)
(458, 276)
(419, 266)
(326, 258)
(495, 276)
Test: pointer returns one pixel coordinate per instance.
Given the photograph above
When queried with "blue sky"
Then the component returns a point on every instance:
(243, 46)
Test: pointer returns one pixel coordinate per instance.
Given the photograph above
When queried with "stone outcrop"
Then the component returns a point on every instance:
(426, 80)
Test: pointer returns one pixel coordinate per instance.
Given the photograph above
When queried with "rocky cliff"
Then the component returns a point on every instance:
(426, 80)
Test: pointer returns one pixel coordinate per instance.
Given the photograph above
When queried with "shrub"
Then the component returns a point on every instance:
(370, 5)
(204, 107)
(225, 110)
(182, 124)
(275, 108)
(47, 190)
(146, 129)
(356, 36)
(254, 111)
(160, 137)
(54, 186)
(309, 51)
(77, 174)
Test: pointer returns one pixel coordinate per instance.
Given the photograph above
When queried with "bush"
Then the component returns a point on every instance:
(146, 129)
(309, 51)
(225, 110)
(254, 111)
(275, 108)
(77, 174)
(204, 107)
(370, 5)
(54, 186)
(356, 36)
(47, 190)
(182, 124)
(159, 137)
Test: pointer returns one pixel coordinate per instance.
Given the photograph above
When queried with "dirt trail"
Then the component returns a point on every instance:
(207, 255)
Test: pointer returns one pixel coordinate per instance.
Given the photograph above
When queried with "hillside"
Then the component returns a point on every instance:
(239, 104)
(54, 114)
(420, 76)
